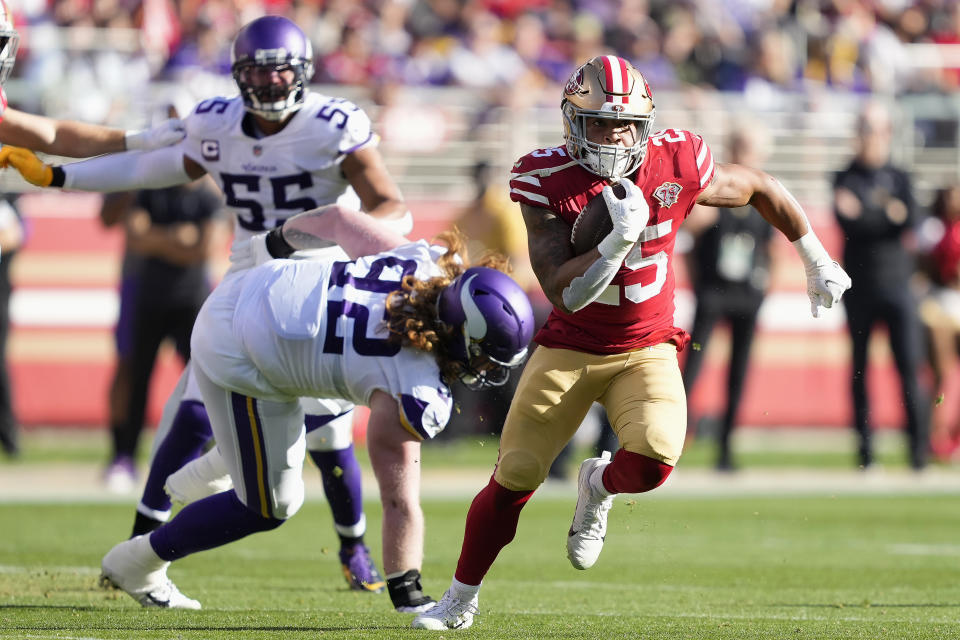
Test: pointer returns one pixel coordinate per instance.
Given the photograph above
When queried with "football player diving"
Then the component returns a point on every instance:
(275, 150)
(391, 331)
(610, 337)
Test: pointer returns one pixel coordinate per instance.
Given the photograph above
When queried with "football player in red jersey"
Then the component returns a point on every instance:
(610, 337)
(66, 137)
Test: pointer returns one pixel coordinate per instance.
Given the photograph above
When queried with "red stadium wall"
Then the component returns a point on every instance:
(61, 346)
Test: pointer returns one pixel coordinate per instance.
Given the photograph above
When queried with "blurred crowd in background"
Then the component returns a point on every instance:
(752, 46)
(461, 88)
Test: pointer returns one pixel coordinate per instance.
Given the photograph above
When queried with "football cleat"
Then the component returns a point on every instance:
(406, 593)
(450, 613)
(134, 568)
(359, 569)
(589, 526)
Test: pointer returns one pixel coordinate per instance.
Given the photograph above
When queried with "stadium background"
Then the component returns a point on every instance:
(452, 83)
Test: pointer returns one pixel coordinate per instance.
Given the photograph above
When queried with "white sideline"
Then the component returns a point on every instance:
(82, 482)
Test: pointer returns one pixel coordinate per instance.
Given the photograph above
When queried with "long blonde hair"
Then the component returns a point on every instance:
(412, 309)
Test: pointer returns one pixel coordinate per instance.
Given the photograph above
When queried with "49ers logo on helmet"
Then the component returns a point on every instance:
(574, 85)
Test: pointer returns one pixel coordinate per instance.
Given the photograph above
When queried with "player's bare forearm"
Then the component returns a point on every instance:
(389, 210)
(366, 172)
(58, 137)
(551, 254)
(734, 185)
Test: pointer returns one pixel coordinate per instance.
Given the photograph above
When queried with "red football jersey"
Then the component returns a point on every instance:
(637, 309)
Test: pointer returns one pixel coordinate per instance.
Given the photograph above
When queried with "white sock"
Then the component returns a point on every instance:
(464, 591)
(596, 481)
(146, 554)
(355, 530)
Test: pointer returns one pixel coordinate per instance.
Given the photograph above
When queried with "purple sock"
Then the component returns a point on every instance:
(343, 488)
(185, 441)
(206, 524)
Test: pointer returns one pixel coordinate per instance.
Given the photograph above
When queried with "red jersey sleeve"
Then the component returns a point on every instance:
(532, 180)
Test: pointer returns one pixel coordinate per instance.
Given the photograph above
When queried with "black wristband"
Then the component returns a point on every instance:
(277, 245)
(58, 177)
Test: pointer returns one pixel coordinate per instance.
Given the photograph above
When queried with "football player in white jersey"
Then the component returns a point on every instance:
(390, 331)
(275, 150)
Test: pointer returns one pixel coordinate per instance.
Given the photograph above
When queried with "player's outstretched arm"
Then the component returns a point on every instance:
(164, 167)
(357, 233)
(80, 139)
(735, 186)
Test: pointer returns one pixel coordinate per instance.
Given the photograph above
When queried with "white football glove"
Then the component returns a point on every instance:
(629, 215)
(247, 254)
(826, 282)
(164, 134)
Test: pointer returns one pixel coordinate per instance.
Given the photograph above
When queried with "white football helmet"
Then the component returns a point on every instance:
(9, 42)
(607, 87)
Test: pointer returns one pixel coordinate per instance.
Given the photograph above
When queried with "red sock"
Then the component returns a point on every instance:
(491, 525)
(634, 473)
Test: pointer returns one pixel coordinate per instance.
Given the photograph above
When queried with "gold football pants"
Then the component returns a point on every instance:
(641, 390)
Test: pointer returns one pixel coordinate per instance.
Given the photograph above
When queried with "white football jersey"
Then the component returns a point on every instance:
(292, 328)
(266, 180)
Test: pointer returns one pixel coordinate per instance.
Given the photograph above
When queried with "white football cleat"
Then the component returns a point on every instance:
(450, 613)
(134, 567)
(199, 478)
(589, 526)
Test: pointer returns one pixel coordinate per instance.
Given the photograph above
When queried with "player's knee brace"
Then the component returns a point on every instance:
(631, 472)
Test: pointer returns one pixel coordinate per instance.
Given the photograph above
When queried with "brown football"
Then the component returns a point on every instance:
(594, 223)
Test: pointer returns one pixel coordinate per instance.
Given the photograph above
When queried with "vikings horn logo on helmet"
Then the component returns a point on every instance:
(475, 325)
(492, 323)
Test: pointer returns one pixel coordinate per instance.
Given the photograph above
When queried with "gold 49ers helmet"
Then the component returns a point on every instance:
(9, 41)
(607, 87)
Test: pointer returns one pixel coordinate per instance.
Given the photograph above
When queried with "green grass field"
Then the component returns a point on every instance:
(678, 566)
